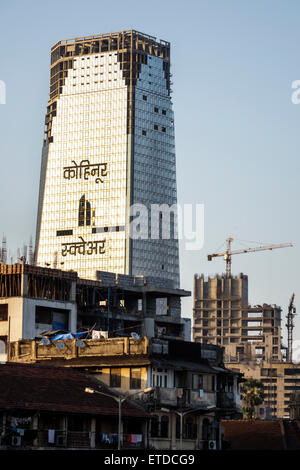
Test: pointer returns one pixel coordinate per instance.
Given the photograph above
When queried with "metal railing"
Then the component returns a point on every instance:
(67, 439)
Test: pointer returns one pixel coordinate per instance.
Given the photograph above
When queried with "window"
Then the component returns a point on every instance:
(155, 109)
(84, 212)
(197, 381)
(164, 112)
(63, 233)
(144, 132)
(154, 426)
(205, 429)
(160, 377)
(144, 97)
(159, 426)
(155, 127)
(163, 129)
(4, 312)
(190, 428)
(164, 426)
(135, 378)
(115, 378)
(268, 372)
(291, 371)
(56, 319)
(3, 344)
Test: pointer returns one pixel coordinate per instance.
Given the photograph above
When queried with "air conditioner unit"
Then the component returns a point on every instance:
(16, 441)
(212, 445)
(60, 440)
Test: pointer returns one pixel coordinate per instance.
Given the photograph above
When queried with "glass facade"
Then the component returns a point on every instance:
(94, 165)
(154, 169)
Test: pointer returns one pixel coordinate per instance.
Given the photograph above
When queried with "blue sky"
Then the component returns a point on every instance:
(237, 131)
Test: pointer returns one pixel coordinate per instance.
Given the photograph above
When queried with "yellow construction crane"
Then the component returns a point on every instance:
(228, 253)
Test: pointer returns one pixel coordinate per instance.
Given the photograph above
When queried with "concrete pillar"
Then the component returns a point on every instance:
(35, 425)
(33, 349)
(173, 431)
(145, 430)
(199, 432)
(148, 327)
(144, 304)
(73, 291)
(3, 424)
(65, 427)
(24, 285)
(73, 318)
(126, 345)
(74, 348)
(93, 433)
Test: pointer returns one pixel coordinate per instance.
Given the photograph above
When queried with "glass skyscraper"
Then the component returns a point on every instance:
(109, 144)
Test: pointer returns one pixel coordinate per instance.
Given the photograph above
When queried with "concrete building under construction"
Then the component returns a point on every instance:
(251, 337)
(35, 299)
(223, 316)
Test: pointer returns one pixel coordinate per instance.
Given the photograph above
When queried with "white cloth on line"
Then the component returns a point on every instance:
(51, 436)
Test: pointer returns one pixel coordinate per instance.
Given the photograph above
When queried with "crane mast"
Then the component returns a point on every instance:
(290, 326)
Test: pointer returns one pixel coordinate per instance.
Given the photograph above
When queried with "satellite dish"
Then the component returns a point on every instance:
(60, 346)
(46, 341)
(135, 335)
(80, 344)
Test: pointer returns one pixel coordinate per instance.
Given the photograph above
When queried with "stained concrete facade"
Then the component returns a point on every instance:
(222, 315)
(281, 380)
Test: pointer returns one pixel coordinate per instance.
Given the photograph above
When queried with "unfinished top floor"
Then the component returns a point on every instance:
(36, 299)
(23, 280)
(118, 41)
(221, 288)
(132, 49)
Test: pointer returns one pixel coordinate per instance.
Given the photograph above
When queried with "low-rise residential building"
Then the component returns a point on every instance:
(44, 407)
(190, 387)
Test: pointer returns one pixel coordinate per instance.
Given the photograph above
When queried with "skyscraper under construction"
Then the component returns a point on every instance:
(109, 144)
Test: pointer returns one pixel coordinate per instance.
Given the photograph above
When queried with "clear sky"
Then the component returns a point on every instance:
(237, 131)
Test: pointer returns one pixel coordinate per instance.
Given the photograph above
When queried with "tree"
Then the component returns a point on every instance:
(252, 393)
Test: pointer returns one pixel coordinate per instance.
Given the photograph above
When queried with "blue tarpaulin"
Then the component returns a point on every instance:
(63, 336)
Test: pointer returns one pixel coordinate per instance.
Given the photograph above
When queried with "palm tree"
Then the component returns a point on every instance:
(252, 393)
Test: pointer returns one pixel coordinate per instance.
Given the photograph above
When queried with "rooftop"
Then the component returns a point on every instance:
(110, 35)
(48, 388)
(261, 434)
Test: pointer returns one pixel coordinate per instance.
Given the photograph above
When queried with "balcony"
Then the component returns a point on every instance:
(35, 350)
(67, 440)
(184, 397)
(225, 400)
